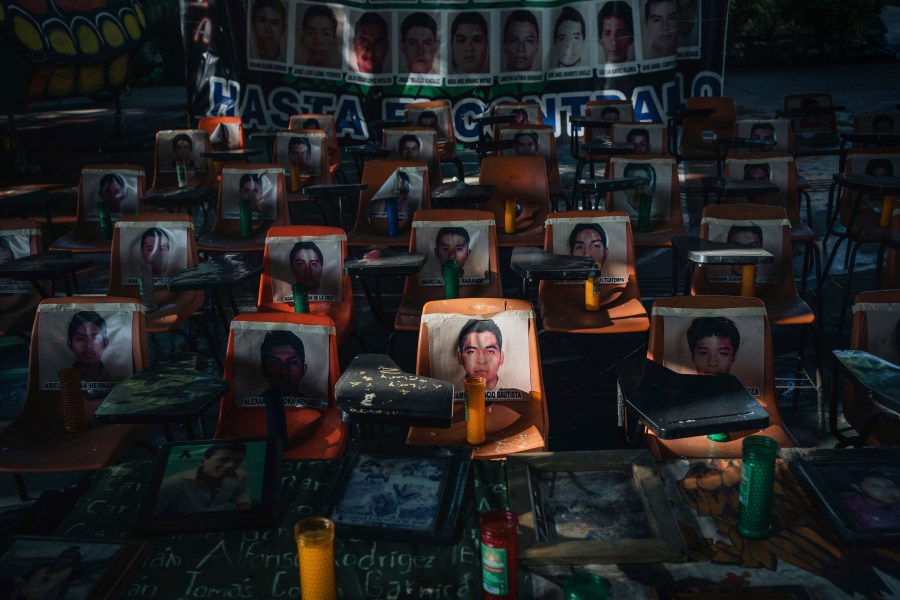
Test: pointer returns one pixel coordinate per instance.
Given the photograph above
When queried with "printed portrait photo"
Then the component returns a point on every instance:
(884, 334)
(318, 36)
(808, 125)
(659, 174)
(882, 121)
(463, 346)
(267, 25)
(233, 468)
(181, 146)
(437, 119)
(867, 494)
(616, 34)
(392, 492)
(15, 243)
(405, 184)
(689, 29)
(602, 239)
(281, 360)
(608, 114)
(777, 130)
(419, 43)
(55, 568)
(659, 28)
(314, 262)
(119, 189)
(370, 47)
(569, 47)
(405, 144)
(95, 339)
(159, 247)
(646, 137)
(528, 142)
(259, 188)
(466, 242)
(470, 48)
(702, 343)
(876, 165)
(757, 234)
(299, 123)
(300, 150)
(521, 41)
(527, 113)
(773, 170)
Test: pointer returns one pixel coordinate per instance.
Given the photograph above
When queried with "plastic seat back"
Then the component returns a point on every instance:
(814, 129)
(648, 138)
(415, 143)
(780, 169)
(610, 111)
(698, 134)
(510, 362)
(767, 129)
(18, 299)
(308, 149)
(527, 113)
(225, 133)
(185, 145)
(665, 208)
(324, 122)
(436, 114)
(878, 162)
(292, 357)
(408, 181)
(533, 140)
(525, 179)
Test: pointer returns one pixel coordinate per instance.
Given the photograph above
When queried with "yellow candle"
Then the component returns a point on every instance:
(295, 177)
(509, 215)
(475, 433)
(748, 280)
(591, 295)
(315, 545)
(887, 211)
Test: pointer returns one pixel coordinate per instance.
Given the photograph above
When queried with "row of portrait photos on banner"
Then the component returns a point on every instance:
(607, 38)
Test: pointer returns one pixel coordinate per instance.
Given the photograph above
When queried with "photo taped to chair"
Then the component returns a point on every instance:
(161, 247)
(466, 242)
(117, 188)
(308, 260)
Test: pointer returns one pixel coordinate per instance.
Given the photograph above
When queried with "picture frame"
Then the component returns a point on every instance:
(400, 493)
(97, 568)
(578, 508)
(841, 483)
(247, 495)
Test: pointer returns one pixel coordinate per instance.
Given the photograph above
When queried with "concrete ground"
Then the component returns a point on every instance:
(62, 137)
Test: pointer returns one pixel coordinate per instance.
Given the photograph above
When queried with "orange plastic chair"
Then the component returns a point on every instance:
(650, 139)
(664, 187)
(36, 441)
(511, 426)
(111, 181)
(528, 113)
(669, 321)
(446, 138)
(876, 318)
(428, 138)
(611, 111)
(325, 123)
(18, 299)
(523, 178)
(415, 295)
(312, 432)
(562, 304)
(201, 171)
(545, 148)
(275, 294)
(698, 134)
(225, 235)
(280, 155)
(877, 121)
(371, 226)
(813, 134)
(138, 241)
(225, 133)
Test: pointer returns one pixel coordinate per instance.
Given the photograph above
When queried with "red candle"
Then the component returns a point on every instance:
(499, 554)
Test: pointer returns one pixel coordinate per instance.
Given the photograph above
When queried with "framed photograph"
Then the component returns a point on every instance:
(76, 569)
(592, 508)
(858, 490)
(212, 484)
(401, 493)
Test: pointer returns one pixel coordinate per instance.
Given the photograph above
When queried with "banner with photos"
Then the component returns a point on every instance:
(362, 60)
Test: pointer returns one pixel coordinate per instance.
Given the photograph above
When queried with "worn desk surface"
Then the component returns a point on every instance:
(602, 184)
(705, 252)
(190, 195)
(388, 261)
(244, 154)
(217, 272)
(45, 266)
(535, 264)
(738, 188)
(674, 406)
(460, 192)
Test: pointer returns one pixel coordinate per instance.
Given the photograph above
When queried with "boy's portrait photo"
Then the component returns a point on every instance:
(161, 248)
(659, 175)
(601, 239)
(756, 234)
(301, 150)
(95, 339)
(463, 346)
(415, 145)
(466, 242)
(314, 262)
(283, 359)
(405, 184)
(259, 189)
(118, 189)
(181, 146)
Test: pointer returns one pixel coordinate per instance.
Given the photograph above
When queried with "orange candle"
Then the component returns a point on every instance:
(748, 280)
(591, 295)
(475, 433)
(295, 177)
(887, 211)
(315, 545)
(509, 215)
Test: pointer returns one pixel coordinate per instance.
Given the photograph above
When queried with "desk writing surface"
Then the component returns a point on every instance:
(535, 264)
(388, 262)
(703, 251)
(217, 272)
(879, 376)
(49, 264)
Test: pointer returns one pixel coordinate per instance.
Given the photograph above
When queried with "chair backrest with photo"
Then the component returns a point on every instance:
(816, 129)
(649, 139)
(389, 178)
(325, 122)
(876, 329)
(767, 129)
(527, 113)
(161, 245)
(104, 338)
(697, 137)
(18, 299)
(533, 140)
(437, 114)
(517, 421)
(225, 133)
(665, 219)
(777, 168)
(680, 328)
(263, 186)
(877, 121)
(182, 145)
(877, 162)
(417, 144)
(604, 236)
(308, 151)
(523, 179)
(311, 255)
(290, 359)
(609, 111)
(120, 187)
(470, 237)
